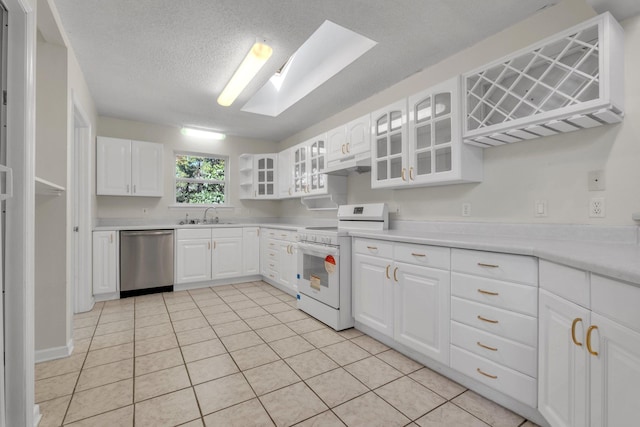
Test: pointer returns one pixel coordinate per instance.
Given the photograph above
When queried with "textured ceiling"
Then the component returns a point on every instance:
(166, 62)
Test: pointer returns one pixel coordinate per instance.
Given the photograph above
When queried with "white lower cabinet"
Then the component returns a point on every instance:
(105, 262)
(204, 254)
(193, 255)
(398, 293)
(494, 323)
(279, 257)
(226, 260)
(589, 349)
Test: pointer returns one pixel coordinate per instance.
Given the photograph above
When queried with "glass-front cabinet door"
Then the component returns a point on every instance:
(300, 169)
(265, 166)
(317, 158)
(434, 132)
(389, 146)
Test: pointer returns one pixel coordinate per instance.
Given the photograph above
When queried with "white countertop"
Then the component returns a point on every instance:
(174, 226)
(617, 260)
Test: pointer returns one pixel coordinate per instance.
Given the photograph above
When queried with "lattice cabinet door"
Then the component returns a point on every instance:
(317, 159)
(300, 173)
(570, 81)
(389, 146)
(266, 176)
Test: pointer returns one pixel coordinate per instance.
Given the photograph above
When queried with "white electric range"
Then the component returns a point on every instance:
(324, 263)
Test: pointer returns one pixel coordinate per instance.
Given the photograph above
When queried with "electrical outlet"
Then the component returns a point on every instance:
(597, 207)
(466, 209)
(540, 209)
(145, 211)
(595, 180)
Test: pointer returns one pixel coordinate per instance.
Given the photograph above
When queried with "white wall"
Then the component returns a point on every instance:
(552, 168)
(174, 141)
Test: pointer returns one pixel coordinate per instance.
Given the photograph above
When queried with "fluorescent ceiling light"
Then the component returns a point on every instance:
(247, 70)
(329, 50)
(202, 133)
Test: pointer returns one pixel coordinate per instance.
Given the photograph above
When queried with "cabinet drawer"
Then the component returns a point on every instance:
(510, 296)
(193, 233)
(226, 232)
(519, 386)
(507, 324)
(512, 268)
(429, 256)
(567, 282)
(288, 235)
(373, 247)
(616, 300)
(272, 274)
(511, 354)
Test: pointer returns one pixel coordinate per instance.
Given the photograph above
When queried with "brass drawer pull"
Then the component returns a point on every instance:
(402, 174)
(484, 319)
(372, 248)
(387, 272)
(591, 329)
(395, 274)
(482, 291)
(482, 264)
(493, 377)
(411, 173)
(420, 255)
(573, 331)
(486, 346)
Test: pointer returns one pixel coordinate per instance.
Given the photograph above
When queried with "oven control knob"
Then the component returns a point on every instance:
(326, 240)
(312, 238)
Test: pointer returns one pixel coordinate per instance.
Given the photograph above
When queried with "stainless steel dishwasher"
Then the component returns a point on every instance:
(146, 262)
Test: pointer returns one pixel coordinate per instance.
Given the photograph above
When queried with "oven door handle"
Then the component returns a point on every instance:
(320, 250)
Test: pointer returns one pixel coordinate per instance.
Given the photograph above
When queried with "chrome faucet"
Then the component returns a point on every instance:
(204, 217)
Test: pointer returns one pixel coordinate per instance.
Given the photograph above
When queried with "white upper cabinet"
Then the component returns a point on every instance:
(389, 146)
(436, 154)
(285, 174)
(317, 181)
(258, 176)
(569, 81)
(418, 141)
(349, 141)
(300, 175)
(129, 168)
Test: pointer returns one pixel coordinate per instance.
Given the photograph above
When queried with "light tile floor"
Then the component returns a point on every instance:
(242, 355)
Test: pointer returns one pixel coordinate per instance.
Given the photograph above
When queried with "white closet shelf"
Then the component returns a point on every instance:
(47, 188)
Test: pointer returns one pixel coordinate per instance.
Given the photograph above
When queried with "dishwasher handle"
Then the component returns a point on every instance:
(148, 233)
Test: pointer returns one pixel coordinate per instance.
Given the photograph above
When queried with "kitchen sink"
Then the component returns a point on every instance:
(203, 223)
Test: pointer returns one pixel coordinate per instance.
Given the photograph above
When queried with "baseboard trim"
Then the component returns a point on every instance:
(37, 416)
(54, 353)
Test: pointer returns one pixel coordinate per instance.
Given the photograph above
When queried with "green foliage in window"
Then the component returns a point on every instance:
(200, 180)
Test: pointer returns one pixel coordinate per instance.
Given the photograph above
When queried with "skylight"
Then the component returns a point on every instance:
(330, 49)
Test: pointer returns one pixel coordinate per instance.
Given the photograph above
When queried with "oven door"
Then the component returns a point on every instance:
(319, 273)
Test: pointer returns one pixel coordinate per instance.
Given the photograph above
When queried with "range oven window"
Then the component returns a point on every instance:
(314, 266)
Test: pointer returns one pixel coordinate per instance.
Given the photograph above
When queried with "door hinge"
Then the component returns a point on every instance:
(4, 97)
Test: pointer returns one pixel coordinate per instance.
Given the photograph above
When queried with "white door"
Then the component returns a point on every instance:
(113, 159)
(358, 134)
(146, 169)
(563, 377)
(105, 262)
(287, 263)
(193, 260)
(227, 257)
(421, 312)
(389, 146)
(373, 293)
(615, 374)
(250, 251)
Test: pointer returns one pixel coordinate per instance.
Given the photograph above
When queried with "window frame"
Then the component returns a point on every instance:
(226, 182)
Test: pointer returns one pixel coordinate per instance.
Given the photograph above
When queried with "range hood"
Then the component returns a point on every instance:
(347, 167)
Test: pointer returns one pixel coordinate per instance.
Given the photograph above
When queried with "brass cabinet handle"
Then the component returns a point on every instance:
(411, 173)
(395, 274)
(420, 255)
(591, 329)
(271, 265)
(289, 190)
(127, 188)
(387, 271)
(110, 238)
(486, 346)
(481, 264)
(343, 149)
(484, 319)
(348, 151)
(573, 331)
(493, 377)
(208, 245)
(283, 235)
(214, 244)
(402, 174)
(482, 291)
(134, 189)
(372, 248)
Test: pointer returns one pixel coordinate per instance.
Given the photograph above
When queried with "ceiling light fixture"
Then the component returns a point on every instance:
(202, 133)
(252, 63)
